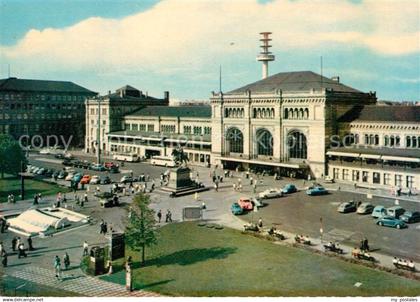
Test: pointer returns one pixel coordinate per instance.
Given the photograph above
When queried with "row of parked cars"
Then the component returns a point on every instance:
(248, 204)
(396, 216)
(84, 164)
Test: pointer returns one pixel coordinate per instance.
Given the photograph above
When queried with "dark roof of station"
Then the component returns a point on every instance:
(174, 111)
(375, 113)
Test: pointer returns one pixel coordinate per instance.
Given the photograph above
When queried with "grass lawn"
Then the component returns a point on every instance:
(190, 260)
(11, 185)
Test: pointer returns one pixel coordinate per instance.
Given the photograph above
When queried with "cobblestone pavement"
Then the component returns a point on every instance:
(77, 282)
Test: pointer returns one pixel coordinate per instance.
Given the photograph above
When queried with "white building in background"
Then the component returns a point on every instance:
(291, 123)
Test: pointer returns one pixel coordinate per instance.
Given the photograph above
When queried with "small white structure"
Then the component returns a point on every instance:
(45, 221)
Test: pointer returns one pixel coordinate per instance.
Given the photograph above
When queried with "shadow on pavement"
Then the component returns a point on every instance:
(144, 286)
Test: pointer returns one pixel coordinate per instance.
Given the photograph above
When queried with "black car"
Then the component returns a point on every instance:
(62, 175)
(67, 162)
(104, 180)
(49, 172)
(410, 217)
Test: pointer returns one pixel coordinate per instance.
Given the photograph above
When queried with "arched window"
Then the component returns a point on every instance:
(371, 139)
(300, 113)
(255, 112)
(418, 139)
(386, 141)
(242, 112)
(226, 112)
(376, 139)
(392, 141)
(397, 141)
(306, 114)
(234, 140)
(291, 116)
(408, 141)
(366, 139)
(264, 141)
(296, 143)
(356, 138)
(414, 141)
(286, 113)
(272, 113)
(296, 113)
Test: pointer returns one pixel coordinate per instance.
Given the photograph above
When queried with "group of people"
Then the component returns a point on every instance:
(37, 198)
(11, 198)
(302, 239)
(103, 227)
(168, 217)
(57, 265)
(17, 246)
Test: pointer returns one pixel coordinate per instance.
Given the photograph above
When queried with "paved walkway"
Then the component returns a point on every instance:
(77, 282)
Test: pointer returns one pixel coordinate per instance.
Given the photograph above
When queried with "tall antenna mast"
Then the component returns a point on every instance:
(265, 55)
(322, 84)
(220, 78)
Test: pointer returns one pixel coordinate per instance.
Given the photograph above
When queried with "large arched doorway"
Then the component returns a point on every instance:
(234, 140)
(296, 144)
(264, 142)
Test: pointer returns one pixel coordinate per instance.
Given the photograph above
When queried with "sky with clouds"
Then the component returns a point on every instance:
(178, 45)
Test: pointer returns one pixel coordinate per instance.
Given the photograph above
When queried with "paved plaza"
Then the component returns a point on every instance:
(296, 213)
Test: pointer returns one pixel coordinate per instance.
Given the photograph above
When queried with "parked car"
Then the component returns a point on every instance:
(236, 209)
(59, 155)
(410, 217)
(85, 179)
(289, 188)
(270, 193)
(378, 212)
(365, 208)
(126, 179)
(328, 179)
(49, 172)
(68, 156)
(97, 167)
(245, 203)
(95, 180)
(318, 190)
(347, 207)
(67, 162)
(69, 176)
(55, 174)
(257, 202)
(110, 165)
(45, 151)
(41, 171)
(395, 211)
(62, 175)
(77, 177)
(391, 222)
(105, 180)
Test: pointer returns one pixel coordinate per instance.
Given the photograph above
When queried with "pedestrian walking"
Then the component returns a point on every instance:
(234, 187)
(21, 250)
(1, 248)
(17, 243)
(159, 215)
(85, 248)
(57, 267)
(110, 271)
(30, 246)
(4, 258)
(260, 223)
(14, 242)
(66, 260)
(101, 226)
(86, 198)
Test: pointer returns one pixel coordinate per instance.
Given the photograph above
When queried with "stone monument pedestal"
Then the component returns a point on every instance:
(180, 183)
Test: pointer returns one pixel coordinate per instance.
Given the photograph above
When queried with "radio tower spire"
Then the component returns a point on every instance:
(265, 55)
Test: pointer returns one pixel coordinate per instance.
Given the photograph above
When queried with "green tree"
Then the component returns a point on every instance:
(141, 230)
(11, 156)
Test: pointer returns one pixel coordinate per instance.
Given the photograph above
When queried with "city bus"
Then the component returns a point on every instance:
(165, 161)
(126, 157)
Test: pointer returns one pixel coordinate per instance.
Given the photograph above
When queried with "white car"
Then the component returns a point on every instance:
(45, 151)
(69, 176)
(328, 179)
(95, 180)
(270, 193)
(257, 202)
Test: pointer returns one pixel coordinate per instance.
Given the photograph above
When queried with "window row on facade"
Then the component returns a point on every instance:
(398, 180)
(196, 130)
(296, 113)
(39, 106)
(42, 97)
(411, 141)
(263, 113)
(41, 116)
(234, 112)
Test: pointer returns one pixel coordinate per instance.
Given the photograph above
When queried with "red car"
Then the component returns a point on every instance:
(110, 165)
(85, 179)
(245, 203)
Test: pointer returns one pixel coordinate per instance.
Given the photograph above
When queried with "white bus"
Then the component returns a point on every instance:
(126, 157)
(165, 161)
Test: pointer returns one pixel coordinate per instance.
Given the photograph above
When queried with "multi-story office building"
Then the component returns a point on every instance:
(43, 108)
(104, 114)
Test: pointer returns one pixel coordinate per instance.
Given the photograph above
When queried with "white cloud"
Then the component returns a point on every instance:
(179, 34)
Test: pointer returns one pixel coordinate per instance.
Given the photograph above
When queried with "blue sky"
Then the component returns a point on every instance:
(178, 45)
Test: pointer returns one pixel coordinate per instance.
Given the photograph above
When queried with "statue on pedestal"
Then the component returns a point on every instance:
(179, 156)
